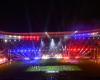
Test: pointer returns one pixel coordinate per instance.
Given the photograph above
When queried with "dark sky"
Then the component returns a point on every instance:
(49, 15)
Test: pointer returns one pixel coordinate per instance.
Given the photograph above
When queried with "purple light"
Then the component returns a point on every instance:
(26, 58)
(37, 58)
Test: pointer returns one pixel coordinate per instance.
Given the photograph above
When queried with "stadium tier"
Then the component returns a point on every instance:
(47, 45)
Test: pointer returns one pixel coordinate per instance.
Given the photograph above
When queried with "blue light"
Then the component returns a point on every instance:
(14, 51)
(82, 36)
(36, 49)
(17, 50)
(10, 51)
(29, 50)
(25, 50)
(15, 40)
(39, 49)
(21, 51)
(27, 54)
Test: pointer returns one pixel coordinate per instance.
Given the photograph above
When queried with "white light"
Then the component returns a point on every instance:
(52, 44)
(46, 33)
(42, 43)
(75, 31)
(3, 60)
(94, 33)
(10, 36)
(66, 37)
(19, 37)
(58, 56)
(15, 36)
(59, 43)
(36, 58)
(52, 71)
(45, 57)
(26, 58)
(5, 40)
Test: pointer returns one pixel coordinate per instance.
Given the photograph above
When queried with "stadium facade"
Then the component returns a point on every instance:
(47, 45)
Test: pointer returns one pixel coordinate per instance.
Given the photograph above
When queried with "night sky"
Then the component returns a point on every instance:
(49, 15)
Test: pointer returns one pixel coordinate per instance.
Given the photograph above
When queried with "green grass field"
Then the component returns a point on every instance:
(53, 68)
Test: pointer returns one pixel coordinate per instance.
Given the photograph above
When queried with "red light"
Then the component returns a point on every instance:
(3, 60)
(67, 57)
(26, 37)
(37, 37)
(23, 37)
(94, 48)
(74, 49)
(30, 37)
(90, 49)
(71, 49)
(77, 57)
(78, 49)
(34, 37)
(86, 48)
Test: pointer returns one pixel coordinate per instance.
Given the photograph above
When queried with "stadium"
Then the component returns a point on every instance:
(50, 54)
(62, 46)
